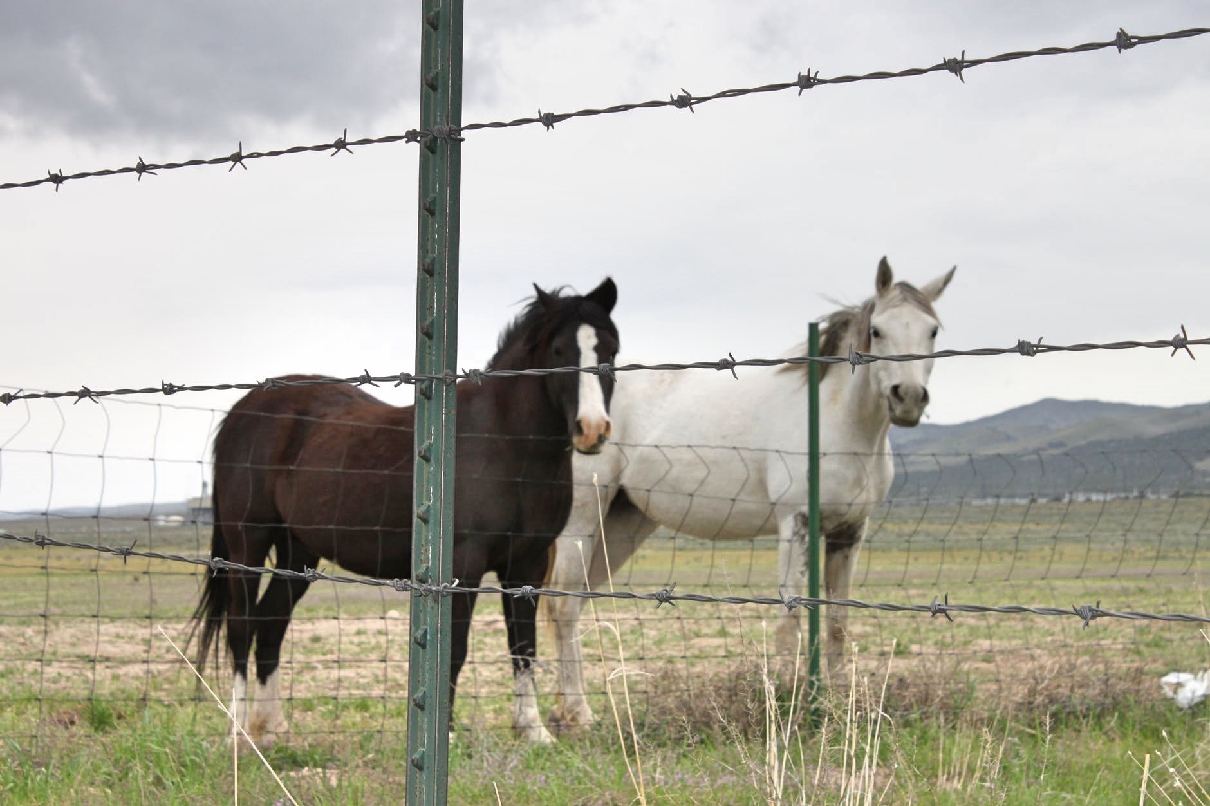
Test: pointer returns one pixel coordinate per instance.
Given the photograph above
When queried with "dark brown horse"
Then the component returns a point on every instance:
(326, 472)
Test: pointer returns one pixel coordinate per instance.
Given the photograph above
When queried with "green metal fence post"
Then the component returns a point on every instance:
(813, 636)
(436, 354)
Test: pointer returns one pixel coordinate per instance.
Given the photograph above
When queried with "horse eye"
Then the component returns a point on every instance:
(934, 333)
(875, 333)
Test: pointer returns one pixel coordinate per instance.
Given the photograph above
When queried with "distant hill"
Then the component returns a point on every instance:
(1055, 446)
(116, 512)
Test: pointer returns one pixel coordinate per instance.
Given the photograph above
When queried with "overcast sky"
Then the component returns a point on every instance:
(1069, 191)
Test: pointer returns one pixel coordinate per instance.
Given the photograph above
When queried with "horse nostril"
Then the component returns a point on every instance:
(924, 397)
(897, 393)
(608, 429)
(579, 428)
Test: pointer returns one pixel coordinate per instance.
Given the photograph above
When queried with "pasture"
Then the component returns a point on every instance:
(990, 708)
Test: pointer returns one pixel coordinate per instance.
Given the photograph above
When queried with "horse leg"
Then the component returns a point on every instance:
(842, 545)
(250, 548)
(626, 527)
(572, 556)
(462, 609)
(272, 619)
(574, 550)
(792, 576)
(520, 619)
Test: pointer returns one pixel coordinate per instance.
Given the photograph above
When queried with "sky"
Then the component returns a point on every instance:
(1069, 192)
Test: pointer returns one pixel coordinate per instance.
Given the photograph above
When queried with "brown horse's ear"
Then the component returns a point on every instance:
(884, 278)
(605, 295)
(544, 299)
(933, 289)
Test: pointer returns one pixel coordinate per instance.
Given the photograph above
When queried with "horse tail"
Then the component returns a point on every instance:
(212, 610)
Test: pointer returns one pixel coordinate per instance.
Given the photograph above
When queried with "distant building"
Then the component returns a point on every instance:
(201, 509)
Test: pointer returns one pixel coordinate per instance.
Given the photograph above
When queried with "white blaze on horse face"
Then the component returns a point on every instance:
(592, 418)
(903, 329)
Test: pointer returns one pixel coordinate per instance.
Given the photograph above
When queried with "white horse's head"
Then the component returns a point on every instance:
(899, 319)
(902, 320)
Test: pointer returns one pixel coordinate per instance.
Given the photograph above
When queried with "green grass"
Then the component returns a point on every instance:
(158, 754)
(96, 708)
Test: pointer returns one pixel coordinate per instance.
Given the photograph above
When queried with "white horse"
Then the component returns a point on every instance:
(705, 455)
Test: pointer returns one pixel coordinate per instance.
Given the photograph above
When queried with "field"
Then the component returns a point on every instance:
(990, 708)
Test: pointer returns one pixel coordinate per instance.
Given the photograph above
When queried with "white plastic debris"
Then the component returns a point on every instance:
(1185, 689)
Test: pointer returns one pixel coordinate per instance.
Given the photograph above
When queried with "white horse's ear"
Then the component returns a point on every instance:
(884, 278)
(933, 289)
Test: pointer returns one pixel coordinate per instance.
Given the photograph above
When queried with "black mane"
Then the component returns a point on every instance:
(542, 319)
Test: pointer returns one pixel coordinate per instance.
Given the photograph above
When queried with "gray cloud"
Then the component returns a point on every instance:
(167, 70)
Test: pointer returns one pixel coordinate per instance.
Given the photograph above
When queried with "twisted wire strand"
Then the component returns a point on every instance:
(667, 595)
(1179, 342)
(685, 100)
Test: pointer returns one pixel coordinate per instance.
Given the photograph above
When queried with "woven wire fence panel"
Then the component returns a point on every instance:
(80, 639)
(1118, 526)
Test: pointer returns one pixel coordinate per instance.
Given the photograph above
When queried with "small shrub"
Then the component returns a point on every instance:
(100, 716)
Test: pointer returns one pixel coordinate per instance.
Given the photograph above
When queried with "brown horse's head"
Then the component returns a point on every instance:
(569, 331)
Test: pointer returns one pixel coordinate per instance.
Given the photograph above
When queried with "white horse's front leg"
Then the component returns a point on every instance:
(843, 545)
(571, 704)
(792, 577)
(526, 719)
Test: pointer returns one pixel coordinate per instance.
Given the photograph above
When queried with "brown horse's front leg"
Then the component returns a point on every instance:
(462, 609)
(520, 618)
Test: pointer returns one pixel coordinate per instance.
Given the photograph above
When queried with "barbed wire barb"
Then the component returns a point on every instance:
(1181, 342)
(683, 101)
(341, 144)
(955, 66)
(237, 158)
(141, 168)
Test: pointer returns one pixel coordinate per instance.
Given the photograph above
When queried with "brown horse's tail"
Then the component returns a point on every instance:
(216, 595)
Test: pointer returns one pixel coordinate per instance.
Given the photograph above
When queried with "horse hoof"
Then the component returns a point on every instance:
(568, 720)
(537, 734)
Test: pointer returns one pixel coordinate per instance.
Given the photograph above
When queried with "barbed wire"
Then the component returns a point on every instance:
(855, 358)
(685, 100)
(940, 605)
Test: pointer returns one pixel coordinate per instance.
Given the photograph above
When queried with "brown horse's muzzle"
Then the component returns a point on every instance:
(591, 434)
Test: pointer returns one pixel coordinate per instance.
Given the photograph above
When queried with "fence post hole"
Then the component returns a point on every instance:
(813, 637)
(436, 354)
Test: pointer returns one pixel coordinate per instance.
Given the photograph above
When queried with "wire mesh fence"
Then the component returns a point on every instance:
(977, 576)
(967, 543)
